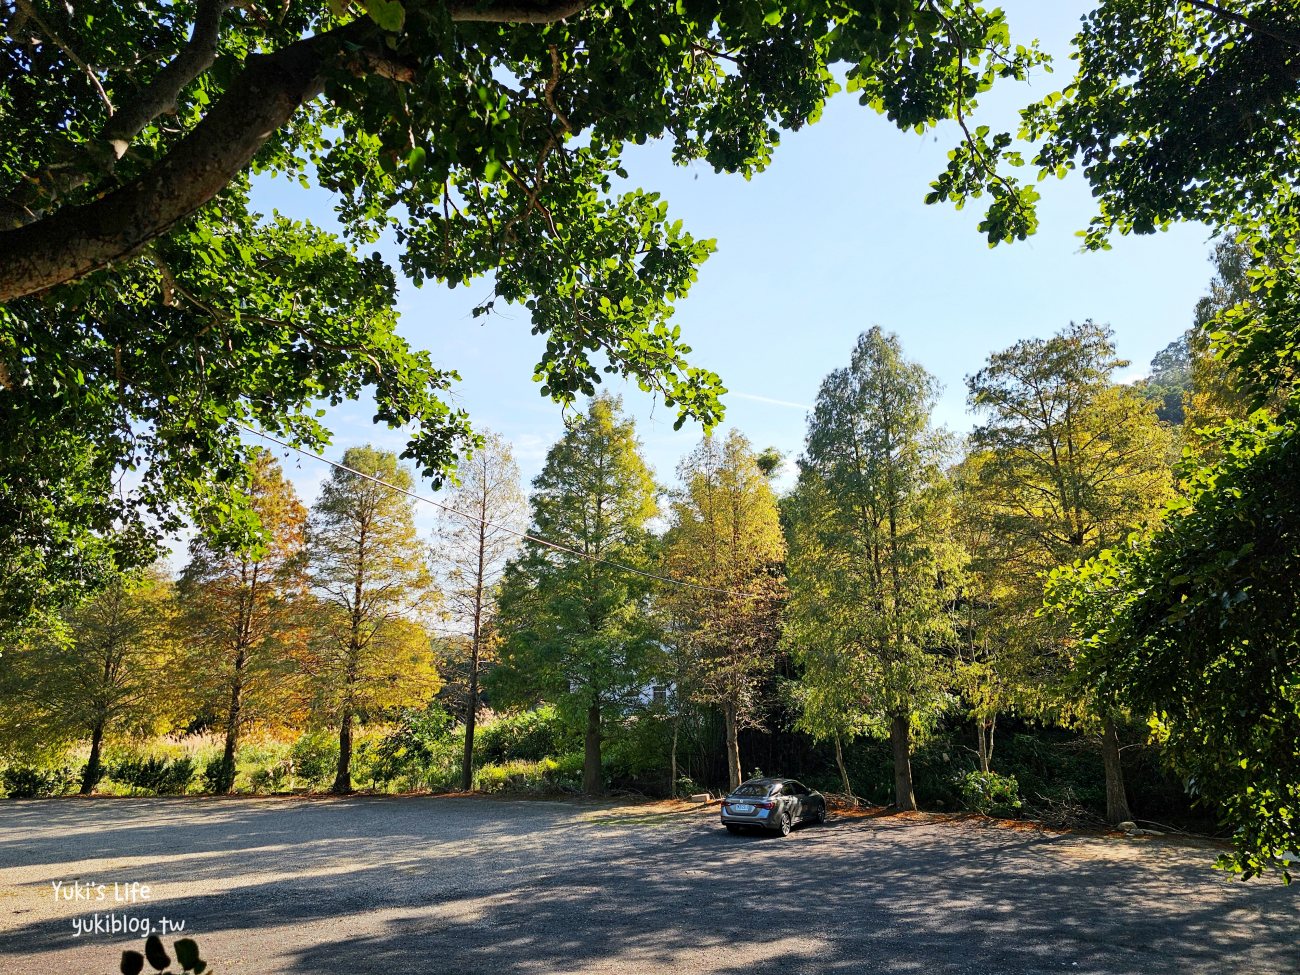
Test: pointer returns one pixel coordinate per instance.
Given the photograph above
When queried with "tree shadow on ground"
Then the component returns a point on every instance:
(517, 889)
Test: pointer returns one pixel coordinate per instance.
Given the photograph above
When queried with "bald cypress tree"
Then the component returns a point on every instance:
(370, 575)
(574, 623)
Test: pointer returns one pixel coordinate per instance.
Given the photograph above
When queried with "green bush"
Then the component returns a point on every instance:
(420, 751)
(30, 782)
(990, 794)
(315, 756)
(546, 775)
(527, 736)
(1052, 765)
(218, 775)
(637, 752)
(153, 774)
(272, 778)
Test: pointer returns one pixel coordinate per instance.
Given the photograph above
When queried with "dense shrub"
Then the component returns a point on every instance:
(990, 794)
(547, 775)
(527, 735)
(262, 753)
(315, 756)
(637, 754)
(272, 778)
(153, 774)
(420, 752)
(1053, 766)
(31, 782)
(218, 775)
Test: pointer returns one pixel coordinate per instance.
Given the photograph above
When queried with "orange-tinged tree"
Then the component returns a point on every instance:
(237, 604)
(370, 648)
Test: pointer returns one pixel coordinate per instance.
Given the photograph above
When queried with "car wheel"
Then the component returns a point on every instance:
(820, 818)
(732, 828)
(783, 826)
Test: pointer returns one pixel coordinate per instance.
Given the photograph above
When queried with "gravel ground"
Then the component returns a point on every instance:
(405, 885)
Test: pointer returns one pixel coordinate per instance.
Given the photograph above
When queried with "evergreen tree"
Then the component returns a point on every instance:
(575, 628)
(872, 569)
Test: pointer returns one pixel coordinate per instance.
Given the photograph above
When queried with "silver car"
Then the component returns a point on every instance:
(772, 804)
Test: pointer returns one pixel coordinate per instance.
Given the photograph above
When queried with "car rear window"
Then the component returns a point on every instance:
(755, 791)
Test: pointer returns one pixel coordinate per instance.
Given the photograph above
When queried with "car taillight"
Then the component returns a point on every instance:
(767, 804)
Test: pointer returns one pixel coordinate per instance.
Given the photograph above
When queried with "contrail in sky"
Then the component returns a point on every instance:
(768, 399)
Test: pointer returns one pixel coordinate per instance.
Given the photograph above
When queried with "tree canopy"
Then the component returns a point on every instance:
(148, 311)
(1179, 110)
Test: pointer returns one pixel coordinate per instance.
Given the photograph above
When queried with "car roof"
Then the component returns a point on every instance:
(766, 780)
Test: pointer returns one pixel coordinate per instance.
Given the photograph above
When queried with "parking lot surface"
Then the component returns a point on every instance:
(463, 885)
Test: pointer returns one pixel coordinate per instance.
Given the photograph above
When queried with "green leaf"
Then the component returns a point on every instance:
(390, 15)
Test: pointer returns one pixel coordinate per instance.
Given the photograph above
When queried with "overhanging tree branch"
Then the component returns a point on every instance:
(101, 154)
(73, 241)
(541, 12)
(1253, 23)
(160, 94)
(76, 240)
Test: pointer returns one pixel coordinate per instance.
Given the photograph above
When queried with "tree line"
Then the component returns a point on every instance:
(142, 328)
(901, 576)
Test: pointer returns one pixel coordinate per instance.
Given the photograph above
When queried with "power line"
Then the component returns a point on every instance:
(525, 536)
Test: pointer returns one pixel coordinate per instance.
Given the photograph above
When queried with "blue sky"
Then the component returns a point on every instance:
(832, 239)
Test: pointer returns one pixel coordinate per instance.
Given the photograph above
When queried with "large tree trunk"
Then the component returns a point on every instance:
(471, 718)
(844, 772)
(733, 746)
(91, 775)
(901, 741)
(343, 777)
(261, 98)
(227, 783)
(592, 783)
(1117, 810)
